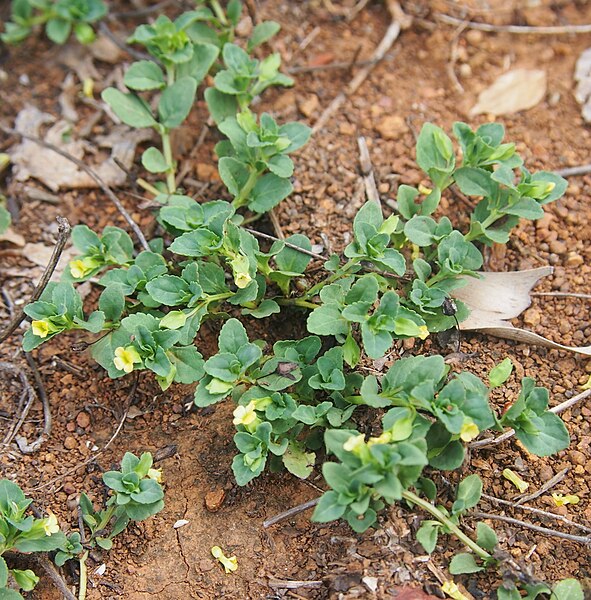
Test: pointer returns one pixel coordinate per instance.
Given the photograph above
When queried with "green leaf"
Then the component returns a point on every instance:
(268, 192)
(176, 102)
(153, 161)
(464, 563)
(131, 109)
(262, 33)
(567, 589)
(232, 337)
(551, 437)
(169, 290)
(112, 302)
(486, 537)
(3, 573)
(298, 134)
(427, 535)
(7, 593)
(204, 55)
(475, 182)
(234, 173)
(499, 374)
(469, 492)
(5, 219)
(188, 362)
(220, 105)
(58, 30)
(291, 260)
(327, 320)
(328, 509)
(26, 580)
(144, 75)
(298, 462)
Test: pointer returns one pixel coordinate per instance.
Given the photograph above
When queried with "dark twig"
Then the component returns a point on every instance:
(291, 512)
(53, 574)
(538, 511)
(527, 29)
(63, 234)
(266, 236)
(103, 449)
(91, 173)
(566, 536)
(28, 393)
(106, 31)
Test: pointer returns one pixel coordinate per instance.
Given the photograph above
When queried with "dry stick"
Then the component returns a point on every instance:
(334, 65)
(538, 511)
(453, 59)
(562, 295)
(103, 449)
(106, 31)
(291, 512)
(389, 38)
(81, 165)
(371, 190)
(42, 395)
(582, 539)
(511, 432)
(292, 584)
(547, 486)
(550, 30)
(574, 171)
(266, 236)
(63, 234)
(28, 392)
(276, 224)
(44, 563)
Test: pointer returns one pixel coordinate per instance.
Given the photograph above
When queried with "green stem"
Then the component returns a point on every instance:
(219, 12)
(453, 528)
(492, 218)
(83, 576)
(170, 172)
(148, 186)
(336, 275)
(242, 197)
(297, 302)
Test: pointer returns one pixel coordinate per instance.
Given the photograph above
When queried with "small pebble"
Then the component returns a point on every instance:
(70, 443)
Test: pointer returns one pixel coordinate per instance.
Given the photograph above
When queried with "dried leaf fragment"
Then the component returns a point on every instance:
(515, 90)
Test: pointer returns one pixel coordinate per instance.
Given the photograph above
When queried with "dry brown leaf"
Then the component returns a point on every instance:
(57, 172)
(583, 79)
(497, 297)
(513, 91)
(10, 236)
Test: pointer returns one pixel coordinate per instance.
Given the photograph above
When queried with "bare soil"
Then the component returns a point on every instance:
(409, 87)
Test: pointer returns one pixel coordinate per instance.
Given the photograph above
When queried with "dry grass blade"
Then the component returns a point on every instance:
(524, 29)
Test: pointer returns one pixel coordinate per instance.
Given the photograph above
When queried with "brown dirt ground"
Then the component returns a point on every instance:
(154, 560)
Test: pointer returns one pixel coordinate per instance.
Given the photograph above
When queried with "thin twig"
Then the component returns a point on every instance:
(291, 512)
(91, 173)
(567, 536)
(63, 228)
(28, 393)
(106, 31)
(44, 563)
(453, 58)
(527, 29)
(292, 584)
(562, 295)
(266, 236)
(336, 65)
(538, 511)
(371, 189)
(399, 20)
(276, 224)
(141, 12)
(103, 449)
(574, 171)
(511, 432)
(544, 488)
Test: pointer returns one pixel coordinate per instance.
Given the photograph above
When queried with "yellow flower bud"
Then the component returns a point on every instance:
(423, 189)
(453, 591)
(80, 268)
(354, 443)
(245, 415)
(125, 358)
(155, 474)
(515, 480)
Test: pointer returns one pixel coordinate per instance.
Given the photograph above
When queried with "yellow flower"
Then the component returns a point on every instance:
(561, 500)
(50, 525)
(88, 87)
(125, 358)
(469, 430)
(230, 563)
(155, 474)
(40, 328)
(424, 332)
(453, 591)
(245, 415)
(515, 480)
(240, 267)
(354, 443)
(80, 268)
(385, 438)
(423, 189)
